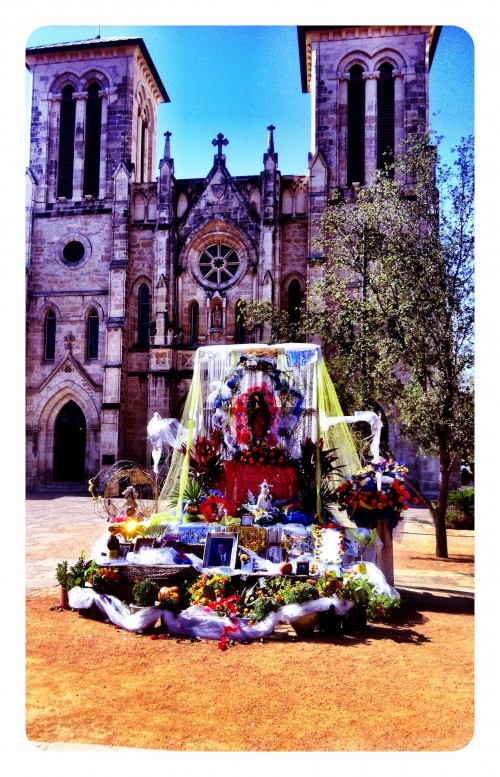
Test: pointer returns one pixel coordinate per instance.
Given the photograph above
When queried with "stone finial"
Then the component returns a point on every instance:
(270, 139)
(166, 151)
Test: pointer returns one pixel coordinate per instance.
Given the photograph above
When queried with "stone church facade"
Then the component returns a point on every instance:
(130, 269)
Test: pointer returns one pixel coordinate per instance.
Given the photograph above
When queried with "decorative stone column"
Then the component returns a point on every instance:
(81, 104)
(399, 111)
(371, 78)
(342, 134)
(52, 141)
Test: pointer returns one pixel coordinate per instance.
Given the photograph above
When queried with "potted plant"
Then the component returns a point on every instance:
(145, 594)
(169, 598)
(300, 593)
(101, 579)
(359, 590)
(214, 591)
(70, 576)
(64, 580)
(329, 585)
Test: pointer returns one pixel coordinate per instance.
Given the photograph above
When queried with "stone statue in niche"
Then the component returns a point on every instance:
(217, 317)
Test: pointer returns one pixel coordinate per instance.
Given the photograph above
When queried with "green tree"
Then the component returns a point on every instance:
(394, 303)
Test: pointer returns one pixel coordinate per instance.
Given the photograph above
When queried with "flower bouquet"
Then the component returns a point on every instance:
(376, 492)
(102, 580)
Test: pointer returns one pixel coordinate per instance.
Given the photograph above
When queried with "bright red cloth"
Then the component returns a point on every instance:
(238, 479)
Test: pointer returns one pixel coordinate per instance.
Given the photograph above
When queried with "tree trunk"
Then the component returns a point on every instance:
(439, 522)
(440, 514)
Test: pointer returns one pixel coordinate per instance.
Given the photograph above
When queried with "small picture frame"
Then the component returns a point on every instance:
(247, 565)
(274, 553)
(143, 542)
(125, 548)
(302, 568)
(247, 519)
(221, 549)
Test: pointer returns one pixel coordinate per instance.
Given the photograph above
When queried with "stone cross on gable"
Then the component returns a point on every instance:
(220, 141)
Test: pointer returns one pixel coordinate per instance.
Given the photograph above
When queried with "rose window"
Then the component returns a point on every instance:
(219, 263)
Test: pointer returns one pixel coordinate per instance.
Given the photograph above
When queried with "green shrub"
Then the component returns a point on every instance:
(145, 593)
(460, 511)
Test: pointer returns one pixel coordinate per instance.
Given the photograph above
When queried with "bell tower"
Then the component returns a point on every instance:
(93, 138)
(369, 91)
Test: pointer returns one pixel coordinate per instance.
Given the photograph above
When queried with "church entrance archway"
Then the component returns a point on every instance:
(70, 434)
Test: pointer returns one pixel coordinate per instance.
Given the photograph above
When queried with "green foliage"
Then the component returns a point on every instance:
(463, 498)
(194, 492)
(145, 593)
(299, 593)
(356, 589)
(394, 304)
(460, 509)
(77, 572)
(381, 607)
(329, 584)
(264, 606)
(62, 574)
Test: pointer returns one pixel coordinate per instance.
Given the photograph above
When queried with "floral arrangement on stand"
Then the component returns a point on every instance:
(376, 492)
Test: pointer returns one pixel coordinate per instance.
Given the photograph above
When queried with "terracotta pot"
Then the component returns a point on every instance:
(305, 625)
(63, 598)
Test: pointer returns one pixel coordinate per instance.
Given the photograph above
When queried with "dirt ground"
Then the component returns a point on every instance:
(407, 686)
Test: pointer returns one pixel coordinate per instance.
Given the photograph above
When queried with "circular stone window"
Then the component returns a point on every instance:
(219, 264)
(74, 251)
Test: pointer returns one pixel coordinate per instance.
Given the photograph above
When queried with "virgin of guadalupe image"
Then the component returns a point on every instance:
(259, 418)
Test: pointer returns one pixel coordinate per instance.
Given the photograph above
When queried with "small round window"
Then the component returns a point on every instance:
(74, 251)
(219, 263)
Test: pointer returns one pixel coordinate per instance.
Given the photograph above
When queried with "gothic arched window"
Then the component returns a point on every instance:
(240, 334)
(143, 315)
(66, 144)
(194, 318)
(92, 142)
(49, 336)
(294, 300)
(385, 116)
(93, 334)
(356, 126)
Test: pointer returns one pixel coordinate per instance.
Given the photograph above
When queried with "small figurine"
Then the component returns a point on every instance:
(264, 501)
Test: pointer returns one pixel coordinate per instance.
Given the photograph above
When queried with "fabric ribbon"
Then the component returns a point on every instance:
(224, 602)
(230, 627)
(228, 602)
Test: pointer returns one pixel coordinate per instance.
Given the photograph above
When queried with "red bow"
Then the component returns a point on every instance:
(231, 627)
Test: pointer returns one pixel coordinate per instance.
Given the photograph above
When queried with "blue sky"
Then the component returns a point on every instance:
(239, 79)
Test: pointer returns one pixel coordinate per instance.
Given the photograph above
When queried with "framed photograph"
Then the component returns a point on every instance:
(143, 542)
(302, 568)
(247, 565)
(220, 550)
(274, 553)
(125, 548)
(247, 519)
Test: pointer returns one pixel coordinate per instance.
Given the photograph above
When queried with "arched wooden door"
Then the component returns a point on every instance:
(70, 433)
